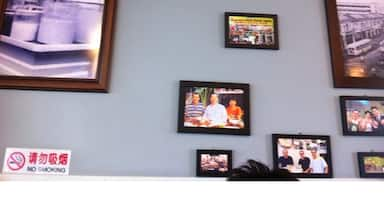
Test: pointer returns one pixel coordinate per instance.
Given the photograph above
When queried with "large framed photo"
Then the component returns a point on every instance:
(356, 36)
(253, 31)
(213, 163)
(371, 164)
(212, 107)
(362, 116)
(304, 156)
(56, 45)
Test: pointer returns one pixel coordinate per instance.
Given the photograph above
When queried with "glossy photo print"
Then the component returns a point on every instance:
(55, 45)
(371, 164)
(214, 108)
(356, 33)
(213, 163)
(305, 156)
(362, 116)
(254, 31)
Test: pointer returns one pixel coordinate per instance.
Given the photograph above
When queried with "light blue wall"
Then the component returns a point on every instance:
(132, 130)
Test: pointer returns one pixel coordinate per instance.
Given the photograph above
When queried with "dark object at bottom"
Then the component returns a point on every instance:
(256, 171)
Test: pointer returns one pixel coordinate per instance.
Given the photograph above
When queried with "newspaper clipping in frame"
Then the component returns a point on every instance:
(36, 161)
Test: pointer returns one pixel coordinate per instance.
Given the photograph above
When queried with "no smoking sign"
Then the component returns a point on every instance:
(16, 161)
(36, 161)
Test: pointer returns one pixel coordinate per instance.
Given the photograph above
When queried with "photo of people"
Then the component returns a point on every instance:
(214, 108)
(251, 30)
(51, 38)
(214, 163)
(363, 116)
(374, 164)
(303, 156)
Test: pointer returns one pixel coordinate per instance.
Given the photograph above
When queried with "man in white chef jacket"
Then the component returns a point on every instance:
(215, 114)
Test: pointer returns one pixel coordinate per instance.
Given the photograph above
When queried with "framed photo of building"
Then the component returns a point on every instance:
(356, 36)
(213, 163)
(304, 156)
(371, 164)
(56, 45)
(215, 108)
(362, 115)
(252, 31)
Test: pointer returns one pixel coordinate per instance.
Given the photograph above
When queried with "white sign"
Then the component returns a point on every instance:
(36, 161)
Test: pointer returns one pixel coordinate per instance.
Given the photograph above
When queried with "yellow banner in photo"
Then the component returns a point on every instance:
(261, 21)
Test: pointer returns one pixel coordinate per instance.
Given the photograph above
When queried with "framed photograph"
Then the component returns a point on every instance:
(362, 116)
(253, 31)
(371, 164)
(304, 156)
(356, 36)
(213, 163)
(212, 107)
(56, 45)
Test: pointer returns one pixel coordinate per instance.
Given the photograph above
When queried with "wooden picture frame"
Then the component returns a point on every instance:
(300, 166)
(79, 62)
(356, 112)
(369, 170)
(221, 158)
(231, 103)
(262, 31)
(357, 57)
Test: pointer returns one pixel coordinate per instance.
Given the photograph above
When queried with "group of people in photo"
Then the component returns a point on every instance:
(370, 120)
(214, 163)
(214, 115)
(314, 164)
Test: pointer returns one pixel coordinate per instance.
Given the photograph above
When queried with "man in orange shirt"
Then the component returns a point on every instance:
(234, 111)
(235, 114)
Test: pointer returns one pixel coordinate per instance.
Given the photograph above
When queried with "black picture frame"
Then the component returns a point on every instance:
(185, 86)
(214, 173)
(274, 36)
(354, 76)
(344, 113)
(327, 157)
(362, 169)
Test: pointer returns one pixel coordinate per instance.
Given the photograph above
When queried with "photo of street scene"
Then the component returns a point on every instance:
(51, 38)
(362, 37)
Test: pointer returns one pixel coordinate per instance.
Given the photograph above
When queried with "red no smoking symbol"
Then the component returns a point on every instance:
(16, 161)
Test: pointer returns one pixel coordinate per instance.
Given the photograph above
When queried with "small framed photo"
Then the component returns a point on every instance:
(304, 156)
(357, 47)
(371, 164)
(253, 31)
(213, 163)
(215, 108)
(362, 116)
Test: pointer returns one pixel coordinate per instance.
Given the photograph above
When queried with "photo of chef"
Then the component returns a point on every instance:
(251, 30)
(51, 38)
(364, 116)
(306, 156)
(214, 108)
(214, 163)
